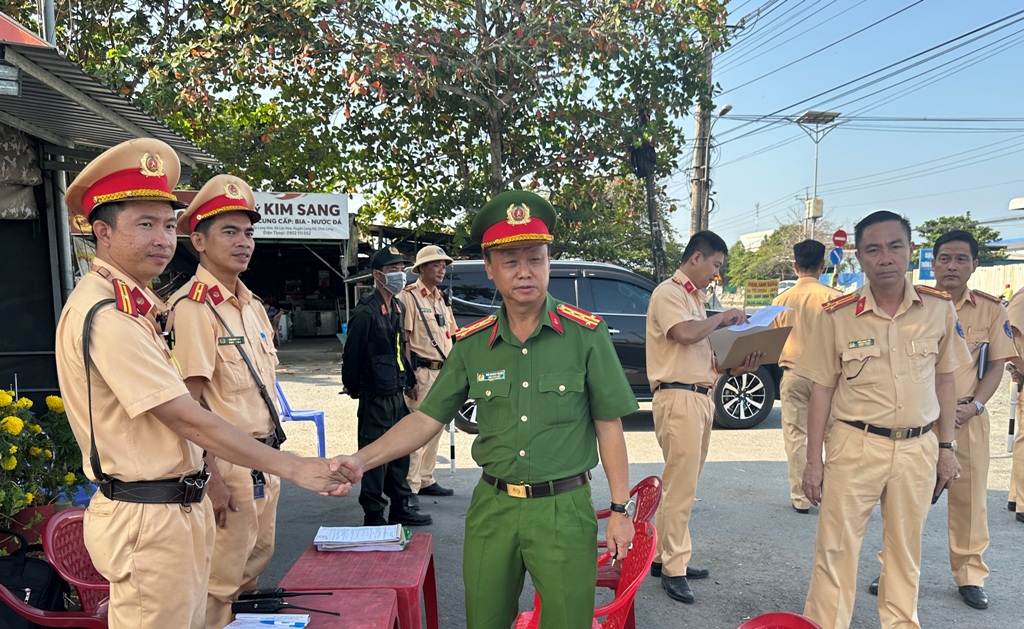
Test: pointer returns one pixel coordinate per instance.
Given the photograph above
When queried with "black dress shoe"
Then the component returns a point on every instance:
(1020, 517)
(697, 573)
(374, 518)
(412, 503)
(873, 588)
(974, 596)
(409, 518)
(1011, 505)
(678, 589)
(804, 511)
(655, 568)
(436, 490)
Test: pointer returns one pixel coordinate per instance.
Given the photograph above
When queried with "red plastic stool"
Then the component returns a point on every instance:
(780, 620)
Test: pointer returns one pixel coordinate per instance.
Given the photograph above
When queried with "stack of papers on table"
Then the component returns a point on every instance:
(362, 538)
(266, 621)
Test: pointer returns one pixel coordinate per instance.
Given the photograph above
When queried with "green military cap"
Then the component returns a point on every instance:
(387, 255)
(516, 218)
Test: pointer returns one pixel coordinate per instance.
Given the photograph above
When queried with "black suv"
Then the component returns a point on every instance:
(620, 297)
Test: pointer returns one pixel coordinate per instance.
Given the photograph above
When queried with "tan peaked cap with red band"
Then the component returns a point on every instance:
(223, 193)
(144, 169)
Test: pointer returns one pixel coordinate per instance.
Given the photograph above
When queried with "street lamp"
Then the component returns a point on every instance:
(816, 124)
(701, 190)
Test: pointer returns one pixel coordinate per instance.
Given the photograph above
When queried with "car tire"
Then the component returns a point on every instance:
(465, 418)
(744, 401)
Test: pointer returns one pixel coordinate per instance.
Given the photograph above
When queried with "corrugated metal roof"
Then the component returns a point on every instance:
(64, 105)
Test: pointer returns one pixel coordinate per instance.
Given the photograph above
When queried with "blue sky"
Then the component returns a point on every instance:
(965, 175)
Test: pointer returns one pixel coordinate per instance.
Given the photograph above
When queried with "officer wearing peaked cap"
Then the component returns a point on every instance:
(549, 391)
(147, 529)
(220, 329)
(429, 326)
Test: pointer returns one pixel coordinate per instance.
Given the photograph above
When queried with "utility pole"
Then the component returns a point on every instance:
(644, 159)
(701, 133)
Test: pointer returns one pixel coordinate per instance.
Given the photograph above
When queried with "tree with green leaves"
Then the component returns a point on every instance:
(773, 259)
(931, 229)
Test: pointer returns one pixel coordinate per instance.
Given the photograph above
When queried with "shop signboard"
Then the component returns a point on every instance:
(760, 292)
(286, 215)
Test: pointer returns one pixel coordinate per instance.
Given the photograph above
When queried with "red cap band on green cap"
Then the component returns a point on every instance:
(519, 227)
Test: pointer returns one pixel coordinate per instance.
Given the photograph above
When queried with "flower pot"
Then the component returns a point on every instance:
(30, 522)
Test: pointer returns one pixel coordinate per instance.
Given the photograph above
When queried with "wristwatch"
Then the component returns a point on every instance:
(627, 509)
(948, 445)
(980, 408)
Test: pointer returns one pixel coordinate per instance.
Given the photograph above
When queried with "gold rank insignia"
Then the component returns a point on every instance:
(152, 165)
(582, 317)
(124, 301)
(518, 214)
(198, 292)
(839, 302)
(980, 293)
(934, 292)
(860, 343)
(475, 327)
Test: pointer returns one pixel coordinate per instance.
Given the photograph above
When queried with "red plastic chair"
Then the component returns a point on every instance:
(780, 620)
(635, 567)
(647, 494)
(64, 545)
(82, 620)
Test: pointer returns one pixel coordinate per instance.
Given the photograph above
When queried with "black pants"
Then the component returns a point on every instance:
(376, 416)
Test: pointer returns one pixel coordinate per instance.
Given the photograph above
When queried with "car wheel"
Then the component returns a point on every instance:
(465, 419)
(744, 401)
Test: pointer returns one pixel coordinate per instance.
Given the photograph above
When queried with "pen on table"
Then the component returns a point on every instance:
(280, 623)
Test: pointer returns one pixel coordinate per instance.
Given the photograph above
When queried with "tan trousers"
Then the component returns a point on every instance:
(423, 460)
(968, 511)
(156, 557)
(860, 470)
(796, 396)
(682, 425)
(1017, 469)
(244, 547)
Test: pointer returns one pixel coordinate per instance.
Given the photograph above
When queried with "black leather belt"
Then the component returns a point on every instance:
(191, 489)
(696, 388)
(270, 440)
(539, 490)
(895, 434)
(429, 364)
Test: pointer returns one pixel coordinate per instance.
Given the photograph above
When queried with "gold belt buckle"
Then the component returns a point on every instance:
(518, 491)
(897, 434)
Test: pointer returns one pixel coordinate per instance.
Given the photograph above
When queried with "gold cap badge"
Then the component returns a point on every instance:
(152, 165)
(518, 214)
(393, 250)
(232, 191)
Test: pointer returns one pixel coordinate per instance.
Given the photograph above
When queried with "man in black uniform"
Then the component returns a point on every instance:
(374, 372)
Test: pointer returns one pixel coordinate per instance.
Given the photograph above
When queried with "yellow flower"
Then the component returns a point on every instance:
(34, 428)
(8, 463)
(12, 425)
(55, 404)
(23, 403)
(5, 398)
(13, 449)
(34, 451)
(28, 497)
(69, 478)
(48, 454)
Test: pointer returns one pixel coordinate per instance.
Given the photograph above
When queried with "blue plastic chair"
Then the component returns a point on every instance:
(317, 417)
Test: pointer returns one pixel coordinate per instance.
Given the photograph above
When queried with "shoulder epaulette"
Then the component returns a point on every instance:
(198, 292)
(475, 327)
(123, 300)
(934, 292)
(988, 297)
(839, 302)
(410, 287)
(582, 317)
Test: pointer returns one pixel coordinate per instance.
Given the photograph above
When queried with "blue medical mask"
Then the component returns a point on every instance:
(394, 281)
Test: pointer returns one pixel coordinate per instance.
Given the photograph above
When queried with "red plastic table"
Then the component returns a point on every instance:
(360, 609)
(409, 572)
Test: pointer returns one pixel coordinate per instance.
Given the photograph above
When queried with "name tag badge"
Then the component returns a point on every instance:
(258, 491)
(231, 340)
(861, 343)
(490, 376)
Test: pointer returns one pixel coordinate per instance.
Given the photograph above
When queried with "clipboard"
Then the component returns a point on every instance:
(732, 348)
(982, 360)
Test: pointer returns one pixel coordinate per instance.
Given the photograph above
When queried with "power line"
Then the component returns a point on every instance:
(762, 38)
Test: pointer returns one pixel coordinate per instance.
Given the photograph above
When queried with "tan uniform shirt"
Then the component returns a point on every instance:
(883, 369)
(205, 349)
(415, 300)
(676, 300)
(805, 298)
(983, 320)
(132, 373)
(1015, 312)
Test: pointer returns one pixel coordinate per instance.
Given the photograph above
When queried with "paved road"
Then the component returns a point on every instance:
(758, 549)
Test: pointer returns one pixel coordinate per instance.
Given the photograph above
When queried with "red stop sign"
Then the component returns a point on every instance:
(839, 238)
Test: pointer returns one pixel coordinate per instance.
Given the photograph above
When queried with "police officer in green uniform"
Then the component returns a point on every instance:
(374, 372)
(549, 391)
